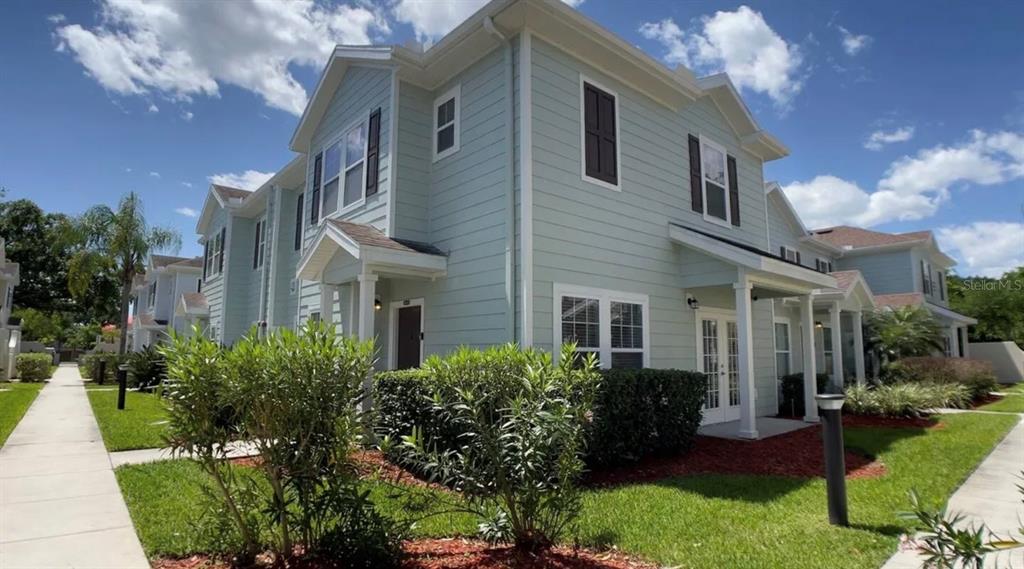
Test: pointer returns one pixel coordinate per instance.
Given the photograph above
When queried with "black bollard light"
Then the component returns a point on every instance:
(830, 408)
(103, 371)
(122, 385)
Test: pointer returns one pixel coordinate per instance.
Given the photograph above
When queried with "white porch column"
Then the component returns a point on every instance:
(810, 366)
(745, 341)
(352, 320)
(327, 303)
(367, 293)
(837, 347)
(858, 346)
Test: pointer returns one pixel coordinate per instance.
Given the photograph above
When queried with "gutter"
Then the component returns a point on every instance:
(510, 198)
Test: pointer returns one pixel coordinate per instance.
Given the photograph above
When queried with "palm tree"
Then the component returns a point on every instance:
(902, 332)
(119, 242)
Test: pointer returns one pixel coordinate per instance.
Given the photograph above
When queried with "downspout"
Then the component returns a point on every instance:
(510, 198)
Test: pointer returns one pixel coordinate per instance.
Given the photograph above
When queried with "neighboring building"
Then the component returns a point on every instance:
(156, 293)
(10, 334)
(903, 269)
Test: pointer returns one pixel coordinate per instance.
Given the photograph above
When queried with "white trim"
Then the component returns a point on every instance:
(526, 185)
(393, 327)
(775, 346)
(342, 140)
(604, 298)
(707, 141)
(453, 93)
(786, 251)
(271, 279)
(392, 155)
(722, 317)
(583, 137)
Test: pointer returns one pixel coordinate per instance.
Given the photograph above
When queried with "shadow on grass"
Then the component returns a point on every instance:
(891, 530)
(875, 441)
(737, 487)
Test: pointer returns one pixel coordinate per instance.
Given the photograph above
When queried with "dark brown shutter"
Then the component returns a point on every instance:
(941, 283)
(256, 246)
(734, 190)
(696, 195)
(830, 266)
(314, 198)
(599, 135)
(798, 258)
(373, 153)
(924, 279)
(206, 257)
(220, 254)
(298, 221)
(782, 251)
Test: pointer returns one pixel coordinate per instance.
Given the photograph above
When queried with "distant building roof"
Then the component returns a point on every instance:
(227, 192)
(900, 300)
(845, 236)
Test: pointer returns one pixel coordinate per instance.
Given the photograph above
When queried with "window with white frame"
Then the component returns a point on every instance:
(343, 165)
(260, 244)
(215, 256)
(715, 181)
(826, 348)
(783, 349)
(822, 265)
(789, 254)
(447, 114)
(610, 324)
(599, 130)
(152, 295)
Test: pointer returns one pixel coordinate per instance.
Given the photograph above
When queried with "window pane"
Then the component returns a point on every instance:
(713, 163)
(627, 325)
(781, 337)
(580, 321)
(332, 161)
(826, 339)
(354, 184)
(445, 138)
(716, 200)
(355, 145)
(632, 360)
(446, 112)
(782, 363)
(330, 198)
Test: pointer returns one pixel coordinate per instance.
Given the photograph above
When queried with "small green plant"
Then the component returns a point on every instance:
(33, 367)
(147, 368)
(905, 399)
(522, 423)
(89, 365)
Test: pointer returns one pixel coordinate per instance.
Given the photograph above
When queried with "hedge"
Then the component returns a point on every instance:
(638, 413)
(88, 365)
(905, 399)
(791, 404)
(34, 367)
(977, 375)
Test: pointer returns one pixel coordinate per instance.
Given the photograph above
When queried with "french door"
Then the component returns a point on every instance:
(718, 357)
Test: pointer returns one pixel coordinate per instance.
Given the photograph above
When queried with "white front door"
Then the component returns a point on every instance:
(718, 357)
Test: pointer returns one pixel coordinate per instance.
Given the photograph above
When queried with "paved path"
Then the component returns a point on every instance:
(240, 449)
(989, 496)
(60, 505)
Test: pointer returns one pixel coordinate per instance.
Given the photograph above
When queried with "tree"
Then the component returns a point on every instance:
(902, 332)
(116, 242)
(997, 304)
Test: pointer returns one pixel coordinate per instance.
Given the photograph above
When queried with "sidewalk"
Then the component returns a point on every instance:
(989, 496)
(60, 505)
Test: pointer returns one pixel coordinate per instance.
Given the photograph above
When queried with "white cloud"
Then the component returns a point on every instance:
(154, 174)
(56, 18)
(739, 43)
(182, 49)
(187, 184)
(854, 43)
(912, 187)
(248, 180)
(187, 116)
(128, 170)
(432, 19)
(878, 139)
(986, 248)
(153, 108)
(186, 211)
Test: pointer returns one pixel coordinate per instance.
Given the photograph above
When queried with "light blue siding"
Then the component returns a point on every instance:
(213, 286)
(286, 295)
(885, 273)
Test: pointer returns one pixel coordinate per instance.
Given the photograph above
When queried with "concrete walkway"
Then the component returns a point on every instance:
(989, 496)
(60, 505)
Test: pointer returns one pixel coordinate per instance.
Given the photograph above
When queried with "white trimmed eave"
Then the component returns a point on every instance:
(857, 297)
(950, 314)
(774, 189)
(752, 137)
(330, 240)
(762, 269)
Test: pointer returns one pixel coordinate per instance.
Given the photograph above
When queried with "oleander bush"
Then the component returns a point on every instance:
(33, 367)
(147, 368)
(904, 399)
(521, 423)
(977, 375)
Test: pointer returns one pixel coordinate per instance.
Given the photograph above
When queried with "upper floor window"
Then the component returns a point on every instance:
(599, 116)
(341, 172)
(926, 278)
(940, 283)
(259, 244)
(152, 295)
(714, 184)
(214, 255)
(447, 115)
(789, 254)
(822, 265)
(610, 324)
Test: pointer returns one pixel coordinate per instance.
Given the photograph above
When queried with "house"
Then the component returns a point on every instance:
(156, 294)
(904, 269)
(10, 333)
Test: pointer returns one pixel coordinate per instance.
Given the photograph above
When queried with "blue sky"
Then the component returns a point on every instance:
(900, 115)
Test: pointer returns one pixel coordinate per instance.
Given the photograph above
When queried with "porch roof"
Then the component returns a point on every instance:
(850, 287)
(918, 299)
(193, 304)
(373, 249)
(767, 269)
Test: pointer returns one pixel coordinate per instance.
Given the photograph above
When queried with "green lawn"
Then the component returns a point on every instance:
(691, 522)
(140, 425)
(1012, 388)
(1012, 403)
(15, 399)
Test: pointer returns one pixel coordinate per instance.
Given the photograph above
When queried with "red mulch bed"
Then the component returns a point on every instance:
(455, 553)
(799, 454)
(990, 398)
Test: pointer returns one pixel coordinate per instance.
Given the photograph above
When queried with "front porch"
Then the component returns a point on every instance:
(767, 427)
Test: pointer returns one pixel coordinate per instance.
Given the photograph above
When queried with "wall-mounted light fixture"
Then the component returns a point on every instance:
(818, 324)
(692, 302)
(377, 304)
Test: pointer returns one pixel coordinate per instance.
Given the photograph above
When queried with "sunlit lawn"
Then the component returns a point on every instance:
(142, 424)
(15, 399)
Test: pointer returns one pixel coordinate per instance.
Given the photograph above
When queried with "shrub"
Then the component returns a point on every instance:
(89, 365)
(904, 399)
(644, 412)
(519, 453)
(977, 375)
(792, 401)
(33, 367)
(147, 368)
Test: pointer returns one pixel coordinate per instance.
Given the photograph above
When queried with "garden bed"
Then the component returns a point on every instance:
(453, 553)
(798, 454)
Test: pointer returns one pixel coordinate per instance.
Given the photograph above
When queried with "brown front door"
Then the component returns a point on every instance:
(409, 337)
